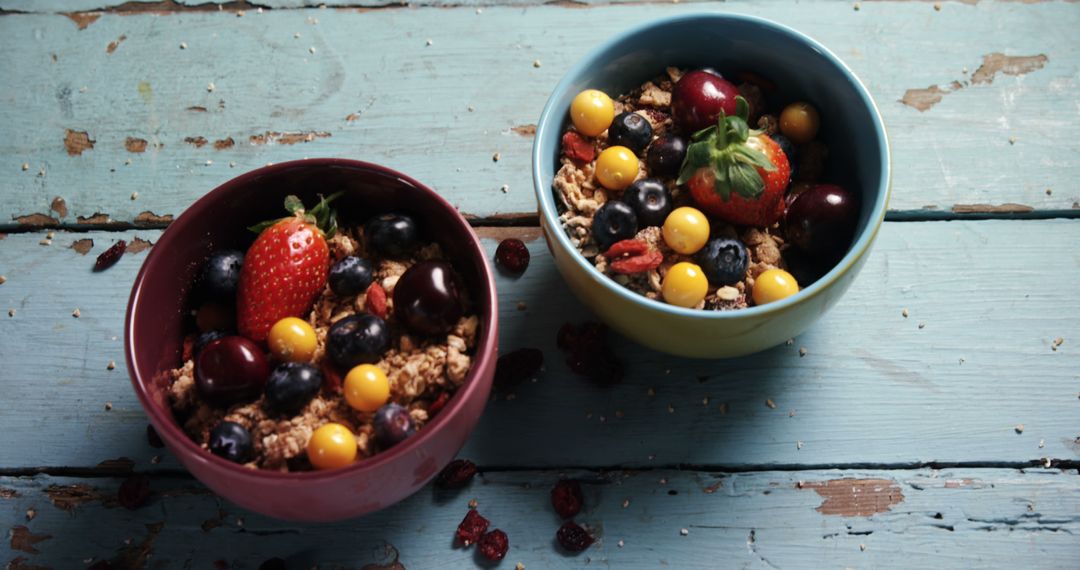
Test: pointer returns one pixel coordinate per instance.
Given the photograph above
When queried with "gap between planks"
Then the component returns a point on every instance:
(528, 220)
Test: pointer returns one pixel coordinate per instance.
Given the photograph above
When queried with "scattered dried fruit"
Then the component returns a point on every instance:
(589, 353)
(573, 537)
(456, 475)
(494, 545)
(110, 256)
(438, 404)
(471, 528)
(375, 300)
(134, 491)
(515, 367)
(577, 148)
(567, 498)
(512, 255)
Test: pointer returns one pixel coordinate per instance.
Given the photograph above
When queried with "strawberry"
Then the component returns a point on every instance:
(286, 268)
(736, 174)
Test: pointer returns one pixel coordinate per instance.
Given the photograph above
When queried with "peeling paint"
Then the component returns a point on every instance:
(120, 465)
(59, 205)
(149, 217)
(136, 555)
(351, 117)
(214, 522)
(197, 109)
(94, 219)
(273, 137)
(22, 539)
(83, 19)
(526, 234)
(36, 220)
(993, 63)
(20, 563)
(69, 497)
(115, 44)
(77, 141)
(83, 246)
(525, 130)
(856, 497)
(224, 143)
(1008, 208)
(8, 493)
(996, 62)
(133, 144)
(138, 245)
(197, 142)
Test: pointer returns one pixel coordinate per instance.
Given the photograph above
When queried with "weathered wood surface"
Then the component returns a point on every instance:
(963, 518)
(949, 383)
(366, 84)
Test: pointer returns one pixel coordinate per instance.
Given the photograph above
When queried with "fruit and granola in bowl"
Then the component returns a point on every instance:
(316, 366)
(706, 234)
(345, 342)
(702, 192)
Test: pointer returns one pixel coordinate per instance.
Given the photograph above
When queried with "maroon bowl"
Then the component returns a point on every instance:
(154, 331)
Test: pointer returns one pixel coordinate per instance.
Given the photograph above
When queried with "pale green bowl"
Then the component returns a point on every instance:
(802, 69)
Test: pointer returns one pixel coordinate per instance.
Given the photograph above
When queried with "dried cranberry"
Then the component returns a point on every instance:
(110, 256)
(456, 475)
(515, 367)
(134, 491)
(590, 354)
(472, 527)
(153, 438)
(512, 255)
(573, 537)
(567, 498)
(438, 404)
(494, 545)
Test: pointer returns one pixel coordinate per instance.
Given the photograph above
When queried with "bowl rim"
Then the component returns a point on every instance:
(551, 118)
(486, 351)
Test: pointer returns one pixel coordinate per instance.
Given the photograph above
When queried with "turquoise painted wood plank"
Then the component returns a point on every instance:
(811, 519)
(974, 358)
(367, 85)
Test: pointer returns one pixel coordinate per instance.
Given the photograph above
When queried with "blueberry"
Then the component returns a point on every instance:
(393, 425)
(350, 276)
(630, 130)
(666, 155)
(650, 200)
(231, 441)
(392, 235)
(790, 150)
(614, 221)
(723, 261)
(357, 339)
(291, 386)
(220, 275)
(206, 338)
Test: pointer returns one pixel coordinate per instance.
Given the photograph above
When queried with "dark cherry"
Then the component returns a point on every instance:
(821, 220)
(698, 98)
(666, 155)
(230, 370)
(427, 298)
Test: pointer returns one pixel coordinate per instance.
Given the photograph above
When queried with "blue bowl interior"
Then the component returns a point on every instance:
(800, 67)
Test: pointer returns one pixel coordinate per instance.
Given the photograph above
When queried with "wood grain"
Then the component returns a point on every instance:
(365, 84)
(948, 383)
(960, 518)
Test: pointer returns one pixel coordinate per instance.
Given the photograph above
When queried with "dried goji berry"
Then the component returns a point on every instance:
(471, 528)
(626, 247)
(494, 545)
(577, 148)
(110, 256)
(331, 378)
(134, 491)
(438, 404)
(567, 498)
(639, 263)
(375, 301)
(573, 537)
(515, 367)
(456, 475)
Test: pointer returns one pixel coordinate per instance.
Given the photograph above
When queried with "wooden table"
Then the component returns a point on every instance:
(930, 420)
